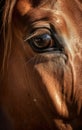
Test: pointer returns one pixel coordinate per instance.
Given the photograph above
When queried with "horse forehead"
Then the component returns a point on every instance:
(24, 6)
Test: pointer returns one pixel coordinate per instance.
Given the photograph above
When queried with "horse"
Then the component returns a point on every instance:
(41, 65)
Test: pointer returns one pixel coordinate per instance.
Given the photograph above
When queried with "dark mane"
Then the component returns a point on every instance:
(7, 8)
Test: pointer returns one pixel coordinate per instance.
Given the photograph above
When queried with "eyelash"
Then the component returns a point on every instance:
(44, 42)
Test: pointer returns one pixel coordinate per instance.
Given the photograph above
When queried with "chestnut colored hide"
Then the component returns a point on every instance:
(41, 65)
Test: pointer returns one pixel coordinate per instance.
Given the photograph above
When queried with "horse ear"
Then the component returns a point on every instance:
(23, 6)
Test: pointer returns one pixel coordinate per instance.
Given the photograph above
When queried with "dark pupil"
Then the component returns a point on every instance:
(42, 41)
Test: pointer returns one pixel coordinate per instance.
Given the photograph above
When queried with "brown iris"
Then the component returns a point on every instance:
(42, 41)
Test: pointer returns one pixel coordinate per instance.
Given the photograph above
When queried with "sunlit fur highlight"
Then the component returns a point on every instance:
(41, 74)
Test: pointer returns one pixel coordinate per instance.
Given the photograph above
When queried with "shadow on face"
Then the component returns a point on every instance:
(41, 65)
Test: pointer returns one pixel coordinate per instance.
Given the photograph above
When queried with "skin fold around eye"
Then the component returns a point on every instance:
(36, 32)
(39, 38)
(44, 39)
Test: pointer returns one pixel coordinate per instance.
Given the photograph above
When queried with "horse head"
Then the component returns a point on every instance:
(41, 64)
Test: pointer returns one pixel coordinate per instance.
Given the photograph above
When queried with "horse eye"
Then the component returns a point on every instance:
(42, 41)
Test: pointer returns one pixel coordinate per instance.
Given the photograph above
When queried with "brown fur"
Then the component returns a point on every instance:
(41, 91)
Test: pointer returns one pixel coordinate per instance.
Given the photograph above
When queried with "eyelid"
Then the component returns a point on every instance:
(30, 36)
(38, 31)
